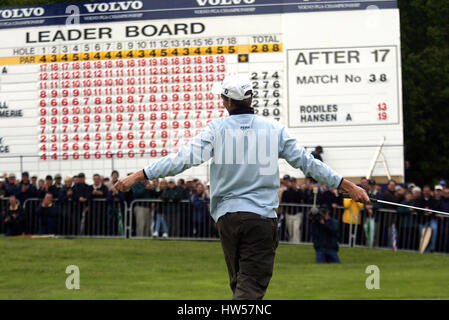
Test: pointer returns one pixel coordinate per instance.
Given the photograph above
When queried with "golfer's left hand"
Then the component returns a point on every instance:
(125, 184)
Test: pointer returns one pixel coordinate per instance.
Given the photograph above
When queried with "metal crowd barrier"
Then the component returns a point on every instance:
(383, 228)
(153, 217)
(93, 218)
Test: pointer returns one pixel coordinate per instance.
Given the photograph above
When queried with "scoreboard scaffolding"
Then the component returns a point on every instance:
(109, 85)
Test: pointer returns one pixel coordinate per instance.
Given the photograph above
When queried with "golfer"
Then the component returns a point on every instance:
(244, 181)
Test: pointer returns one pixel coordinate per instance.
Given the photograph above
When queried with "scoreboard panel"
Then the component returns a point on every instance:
(121, 84)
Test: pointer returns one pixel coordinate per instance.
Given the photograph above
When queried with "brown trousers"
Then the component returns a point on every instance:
(249, 244)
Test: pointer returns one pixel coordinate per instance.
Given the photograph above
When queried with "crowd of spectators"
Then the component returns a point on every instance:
(72, 199)
(406, 223)
(182, 208)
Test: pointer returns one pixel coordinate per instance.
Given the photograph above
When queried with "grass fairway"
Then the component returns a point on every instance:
(156, 269)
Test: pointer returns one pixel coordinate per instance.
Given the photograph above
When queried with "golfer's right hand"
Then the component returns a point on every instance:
(359, 194)
(355, 192)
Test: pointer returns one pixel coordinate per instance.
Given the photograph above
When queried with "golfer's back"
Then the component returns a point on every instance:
(244, 170)
(244, 174)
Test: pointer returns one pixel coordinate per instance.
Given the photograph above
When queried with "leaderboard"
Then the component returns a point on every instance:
(343, 86)
(133, 81)
(137, 98)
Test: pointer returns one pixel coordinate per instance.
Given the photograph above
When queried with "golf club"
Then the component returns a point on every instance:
(402, 205)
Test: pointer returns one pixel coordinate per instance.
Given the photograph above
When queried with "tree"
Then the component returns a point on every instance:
(425, 83)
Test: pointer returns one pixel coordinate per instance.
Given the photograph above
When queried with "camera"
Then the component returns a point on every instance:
(316, 214)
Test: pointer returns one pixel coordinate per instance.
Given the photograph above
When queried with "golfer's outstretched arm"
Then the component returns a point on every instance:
(299, 158)
(199, 150)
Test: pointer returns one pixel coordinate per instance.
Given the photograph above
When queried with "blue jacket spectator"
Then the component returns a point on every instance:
(325, 239)
(66, 193)
(200, 202)
(13, 218)
(81, 189)
(48, 215)
(26, 189)
(11, 187)
(97, 190)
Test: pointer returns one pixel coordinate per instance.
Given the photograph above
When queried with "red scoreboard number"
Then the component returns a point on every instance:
(126, 108)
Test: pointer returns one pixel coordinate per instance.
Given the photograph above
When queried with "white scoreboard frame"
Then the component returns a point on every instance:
(330, 25)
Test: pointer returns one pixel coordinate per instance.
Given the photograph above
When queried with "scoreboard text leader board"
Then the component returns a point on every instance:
(125, 83)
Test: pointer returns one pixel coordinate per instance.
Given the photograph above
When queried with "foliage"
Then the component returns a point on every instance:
(425, 79)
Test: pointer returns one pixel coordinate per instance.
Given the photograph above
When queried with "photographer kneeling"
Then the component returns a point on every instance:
(324, 235)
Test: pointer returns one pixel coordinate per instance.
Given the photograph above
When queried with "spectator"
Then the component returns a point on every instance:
(66, 192)
(318, 152)
(171, 197)
(98, 190)
(408, 226)
(2, 188)
(330, 198)
(81, 195)
(438, 205)
(372, 190)
(34, 181)
(48, 187)
(325, 238)
(390, 195)
(445, 200)
(69, 217)
(156, 189)
(428, 202)
(285, 182)
(293, 215)
(97, 218)
(364, 183)
(307, 194)
(190, 187)
(438, 194)
(58, 183)
(186, 192)
(11, 187)
(41, 188)
(143, 190)
(161, 213)
(410, 187)
(400, 193)
(48, 215)
(26, 189)
(114, 179)
(201, 218)
(13, 217)
(81, 189)
(416, 192)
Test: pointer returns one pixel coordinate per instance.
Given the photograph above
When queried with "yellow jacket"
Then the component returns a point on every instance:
(352, 209)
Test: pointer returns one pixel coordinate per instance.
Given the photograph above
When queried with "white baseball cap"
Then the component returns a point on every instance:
(236, 86)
